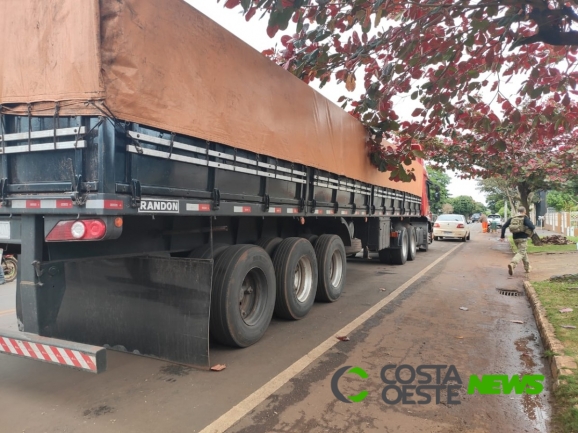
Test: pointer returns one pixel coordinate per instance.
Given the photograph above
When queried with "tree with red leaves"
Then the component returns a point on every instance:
(453, 58)
(524, 160)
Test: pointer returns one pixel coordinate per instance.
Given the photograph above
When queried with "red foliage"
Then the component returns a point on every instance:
(452, 57)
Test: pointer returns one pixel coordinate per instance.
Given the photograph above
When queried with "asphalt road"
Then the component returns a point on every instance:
(423, 323)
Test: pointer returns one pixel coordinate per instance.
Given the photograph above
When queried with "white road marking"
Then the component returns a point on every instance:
(237, 412)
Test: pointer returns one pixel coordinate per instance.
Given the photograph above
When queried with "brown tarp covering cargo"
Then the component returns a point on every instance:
(164, 64)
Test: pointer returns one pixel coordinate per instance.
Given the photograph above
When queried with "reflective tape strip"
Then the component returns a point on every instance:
(49, 355)
(66, 204)
(15, 347)
(196, 207)
(292, 210)
(275, 210)
(242, 209)
(68, 356)
(104, 204)
(26, 204)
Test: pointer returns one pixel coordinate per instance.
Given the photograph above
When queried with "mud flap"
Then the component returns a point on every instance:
(152, 306)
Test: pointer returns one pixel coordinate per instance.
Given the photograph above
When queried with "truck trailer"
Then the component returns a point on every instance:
(163, 182)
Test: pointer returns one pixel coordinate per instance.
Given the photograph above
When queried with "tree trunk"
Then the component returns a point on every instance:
(524, 191)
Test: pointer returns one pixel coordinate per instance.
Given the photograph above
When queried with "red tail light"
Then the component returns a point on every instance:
(460, 226)
(77, 230)
(437, 225)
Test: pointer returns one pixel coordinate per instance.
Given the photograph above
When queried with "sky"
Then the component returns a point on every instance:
(254, 34)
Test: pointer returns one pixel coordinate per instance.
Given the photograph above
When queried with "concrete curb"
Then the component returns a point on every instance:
(559, 364)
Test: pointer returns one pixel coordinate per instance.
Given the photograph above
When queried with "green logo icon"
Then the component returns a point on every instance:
(358, 371)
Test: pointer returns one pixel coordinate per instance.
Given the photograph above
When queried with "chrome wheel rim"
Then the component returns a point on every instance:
(303, 279)
(336, 268)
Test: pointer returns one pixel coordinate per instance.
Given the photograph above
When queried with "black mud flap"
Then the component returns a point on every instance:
(151, 306)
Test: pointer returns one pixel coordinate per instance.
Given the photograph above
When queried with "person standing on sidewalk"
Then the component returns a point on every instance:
(484, 221)
(521, 228)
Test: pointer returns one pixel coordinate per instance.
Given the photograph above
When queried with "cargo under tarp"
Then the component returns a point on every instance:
(164, 64)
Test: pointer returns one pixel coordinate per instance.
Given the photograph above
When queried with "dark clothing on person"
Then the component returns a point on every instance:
(520, 235)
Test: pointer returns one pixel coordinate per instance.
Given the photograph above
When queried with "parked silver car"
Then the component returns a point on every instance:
(495, 217)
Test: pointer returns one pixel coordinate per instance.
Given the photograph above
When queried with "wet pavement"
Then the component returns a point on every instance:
(426, 326)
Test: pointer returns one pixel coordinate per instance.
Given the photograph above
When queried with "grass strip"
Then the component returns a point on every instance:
(555, 296)
(532, 249)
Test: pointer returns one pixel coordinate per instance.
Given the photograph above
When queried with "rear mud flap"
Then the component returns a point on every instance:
(150, 306)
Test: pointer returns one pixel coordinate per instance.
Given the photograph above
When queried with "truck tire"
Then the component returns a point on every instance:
(398, 256)
(296, 275)
(243, 295)
(425, 246)
(384, 257)
(412, 244)
(310, 237)
(269, 244)
(354, 249)
(10, 268)
(332, 262)
(204, 251)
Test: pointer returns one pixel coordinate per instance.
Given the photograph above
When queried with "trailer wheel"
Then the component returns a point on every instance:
(384, 257)
(204, 251)
(412, 244)
(296, 272)
(269, 244)
(355, 248)
(332, 263)
(243, 295)
(424, 247)
(310, 237)
(398, 256)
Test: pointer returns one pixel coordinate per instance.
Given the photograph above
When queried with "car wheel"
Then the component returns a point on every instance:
(464, 238)
(435, 238)
(468, 238)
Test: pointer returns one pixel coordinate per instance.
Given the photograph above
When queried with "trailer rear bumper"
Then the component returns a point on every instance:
(53, 351)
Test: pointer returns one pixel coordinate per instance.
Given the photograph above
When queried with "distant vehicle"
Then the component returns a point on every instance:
(476, 217)
(451, 226)
(495, 217)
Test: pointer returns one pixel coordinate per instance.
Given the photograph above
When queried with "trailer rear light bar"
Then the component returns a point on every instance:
(80, 230)
(53, 351)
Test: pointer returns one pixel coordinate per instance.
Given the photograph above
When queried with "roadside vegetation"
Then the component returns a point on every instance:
(533, 249)
(555, 296)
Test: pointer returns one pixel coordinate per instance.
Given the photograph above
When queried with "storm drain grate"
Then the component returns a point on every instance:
(509, 292)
